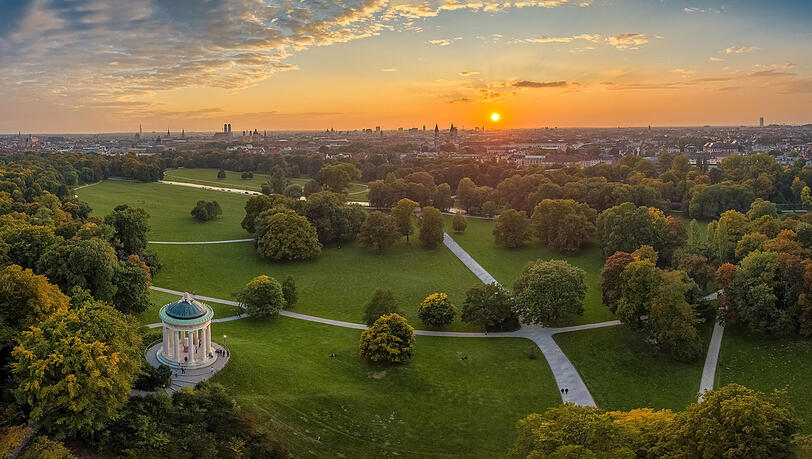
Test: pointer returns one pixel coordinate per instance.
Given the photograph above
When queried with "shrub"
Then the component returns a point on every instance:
(458, 223)
(152, 378)
(206, 210)
(262, 297)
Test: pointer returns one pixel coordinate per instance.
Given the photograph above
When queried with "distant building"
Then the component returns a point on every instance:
(761, 122)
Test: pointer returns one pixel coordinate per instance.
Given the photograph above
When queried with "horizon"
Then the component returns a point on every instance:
(97, 67)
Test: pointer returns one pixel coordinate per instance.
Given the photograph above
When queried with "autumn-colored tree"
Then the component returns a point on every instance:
(672, 321)
(436, 310)
(563, 224)
(390, 339)
(26, 299)
(638, 284)
(697, 267)
(75, 369)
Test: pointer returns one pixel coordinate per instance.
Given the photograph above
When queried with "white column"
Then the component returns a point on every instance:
(165, 342)
(208, 339)
(190, 340)
(175, 345)
(170, 352)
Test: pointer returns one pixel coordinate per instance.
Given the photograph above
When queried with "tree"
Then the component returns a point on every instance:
(624, 228)
(294, 191)
(378, 232)
(247, 175)
(731, 227)
(289, 291)
(733, 421)
(287, 236)
(760, 207)
(549, 292)
(131, 228)
(638, 283)
(431, 228)
(277, 182)
(132, 280)
(466, 193)
(695, 241)
(458, 223)
(749, 243)
(88, 263)
(610, 278)
(672, 321)
(381, 303)
(563, 224)
(512, 229)
(436, 311)
(490, 306)
(206, 210)
(24, 244)
(442, 197)
(260, 203)
(262, 297)
(390, 339)
(312, 186)
(75, 369)
(337, 177)
(697, 268)
(26, 299)
(334, 220)
(404, 214)
(221, 174)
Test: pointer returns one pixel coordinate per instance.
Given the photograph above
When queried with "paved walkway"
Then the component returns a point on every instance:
(189, 378)
(467, 260)
(712, 357)
(213, 188)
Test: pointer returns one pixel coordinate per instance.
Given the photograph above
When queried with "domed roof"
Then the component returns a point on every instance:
(186, 308)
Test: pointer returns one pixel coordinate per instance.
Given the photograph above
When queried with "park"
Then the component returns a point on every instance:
(438, 403)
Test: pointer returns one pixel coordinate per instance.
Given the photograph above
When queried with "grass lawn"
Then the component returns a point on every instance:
(159, 299)
(202, 176)
(623, 372)
(765, 364)
(169, 207)
(337, 285)
(435, 405)
(506, 264)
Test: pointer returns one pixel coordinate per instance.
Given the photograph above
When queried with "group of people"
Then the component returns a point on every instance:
(565, 391)
(222, 352)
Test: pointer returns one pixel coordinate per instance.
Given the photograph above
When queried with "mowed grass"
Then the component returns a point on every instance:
(169, 207)
(624, 372)
(434, 405)
(769, 363)
(337, 285)
(159, 299)
(505, 265)
(208, 177)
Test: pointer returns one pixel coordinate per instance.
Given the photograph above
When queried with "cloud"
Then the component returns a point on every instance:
(466, 74)
(716, 59)
(538, 84)
(628, 40)
(545, 39)
(440, 42)
(741, 49)
(389, 70)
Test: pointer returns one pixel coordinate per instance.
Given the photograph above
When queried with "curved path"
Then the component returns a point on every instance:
(212, 188)
(200, 242)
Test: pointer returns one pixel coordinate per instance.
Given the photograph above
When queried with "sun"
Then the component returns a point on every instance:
(494, 117)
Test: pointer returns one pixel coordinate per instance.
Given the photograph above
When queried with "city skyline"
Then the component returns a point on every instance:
(88, 67)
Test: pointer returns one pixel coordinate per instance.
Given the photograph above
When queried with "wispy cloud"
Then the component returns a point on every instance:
(629, 40)
(389, 70)
(466, 74)
(439, 42)
(545, 39)
(741, 49)
(538, 84)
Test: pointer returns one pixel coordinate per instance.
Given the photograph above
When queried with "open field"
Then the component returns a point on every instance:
(202, 176)
(506, 264)
(435, 405)
(337, 285)
(169, 207)
(624, 372)
(769, 363)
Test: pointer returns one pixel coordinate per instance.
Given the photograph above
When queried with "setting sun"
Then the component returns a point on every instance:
(494, 117)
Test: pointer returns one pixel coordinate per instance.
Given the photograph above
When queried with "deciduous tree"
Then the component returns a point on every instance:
(262, 297)
(512, 229)
(549, 292)
(390, 339)
(436, 310)
(287, 236)
(378, 232)
(490, 306)
(404, 216)
(431, 227)
(381, 303)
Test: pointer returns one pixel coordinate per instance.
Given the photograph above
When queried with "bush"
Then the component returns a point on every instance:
(390, 339)
(382, 303)
(152, 378)
(436, 311)
(289, 291)
(45, 448)
(247, 175)
(221, 174)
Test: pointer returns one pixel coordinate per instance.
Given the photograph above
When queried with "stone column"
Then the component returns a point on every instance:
(190, 340)
(208, 339)
(175, 345)
(165, 342)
